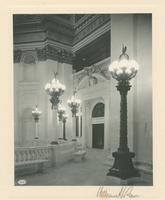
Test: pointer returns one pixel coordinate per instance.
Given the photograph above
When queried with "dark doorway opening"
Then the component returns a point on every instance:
(98, 136)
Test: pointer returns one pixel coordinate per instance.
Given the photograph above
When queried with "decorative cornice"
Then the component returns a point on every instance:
(37, 29)
(58, 26)
(81, 23)
(45, 25)
(80, 18)
(26, 18)
(33, 45)
(29, 57)
(92, 53)
(17, 56)
(53, 53)
(47, 44)
(47, 52)
(94, 35)
(89, 25)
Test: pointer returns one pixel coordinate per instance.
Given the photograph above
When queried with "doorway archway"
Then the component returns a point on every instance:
(98, 126)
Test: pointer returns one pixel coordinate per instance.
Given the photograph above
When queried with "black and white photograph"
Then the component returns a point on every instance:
(82, 86)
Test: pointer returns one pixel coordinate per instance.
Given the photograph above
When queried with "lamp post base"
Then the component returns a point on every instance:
(123, 167)
(115, 181)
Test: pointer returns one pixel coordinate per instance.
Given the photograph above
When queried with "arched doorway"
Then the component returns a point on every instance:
(98, 126)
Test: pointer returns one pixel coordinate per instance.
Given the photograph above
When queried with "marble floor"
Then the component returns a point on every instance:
(90, 171)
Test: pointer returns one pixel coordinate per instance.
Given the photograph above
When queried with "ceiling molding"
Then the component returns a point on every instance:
(92, 23)
(34, 45)
(103, 29)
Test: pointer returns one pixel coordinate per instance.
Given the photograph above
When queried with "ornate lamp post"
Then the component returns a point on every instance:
(61, 112)
(36, 114)
(74, 104)
(62, 116)
(55, 89)
(123, 71)
(64, 123)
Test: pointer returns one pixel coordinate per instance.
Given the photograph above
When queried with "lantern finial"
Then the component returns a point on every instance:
(124, 55)
(74, 92)
(124, 49)
(55, 74)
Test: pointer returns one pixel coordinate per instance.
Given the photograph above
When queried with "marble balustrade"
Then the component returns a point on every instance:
(55, 154)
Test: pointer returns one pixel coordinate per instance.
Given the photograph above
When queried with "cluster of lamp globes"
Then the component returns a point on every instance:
(55, 88)
(74, 104)
(36, 113)
(62, 115)
(124, 69)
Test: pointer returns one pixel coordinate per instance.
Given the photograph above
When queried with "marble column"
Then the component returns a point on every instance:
(88, 125)
(107, 130)
(74, 127)
(83, 125)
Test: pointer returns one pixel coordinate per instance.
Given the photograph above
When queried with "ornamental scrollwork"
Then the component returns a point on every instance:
(17, 56)
(91, 71)
(53, 53)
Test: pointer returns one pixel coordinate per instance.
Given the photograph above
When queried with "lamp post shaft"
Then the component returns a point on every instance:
(36, 130)
(123, 165)
(64, 133)
(123, 87)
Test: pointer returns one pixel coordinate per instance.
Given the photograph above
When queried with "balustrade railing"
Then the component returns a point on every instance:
(32, 153)
(53, 154)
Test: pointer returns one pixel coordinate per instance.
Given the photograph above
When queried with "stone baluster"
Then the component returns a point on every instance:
(23, 155)
(30, 153)
(16, 157)
(29, 156)
(26, 154)
(45, 153)
(19, 156)
(37, 154)
(40, 153)
(34, 154)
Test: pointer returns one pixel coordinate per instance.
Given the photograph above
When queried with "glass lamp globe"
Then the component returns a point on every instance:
(124, 68)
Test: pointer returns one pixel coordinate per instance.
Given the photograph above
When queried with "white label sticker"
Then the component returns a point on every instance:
(22, 182)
